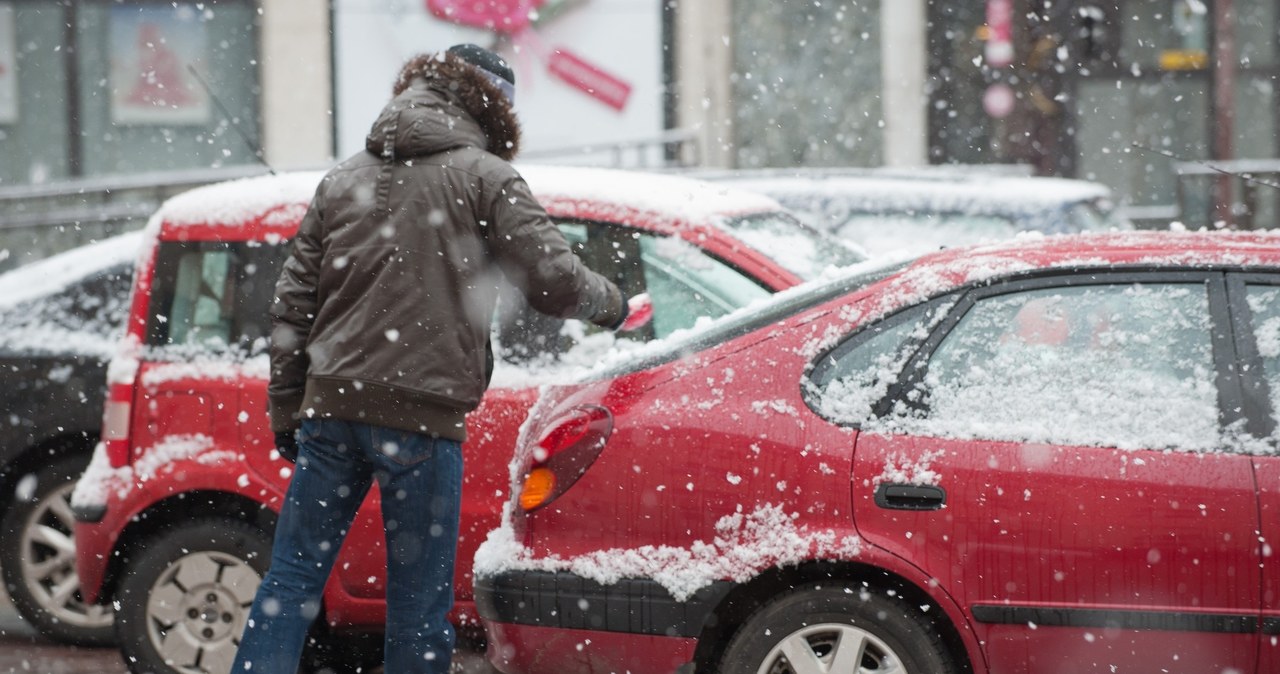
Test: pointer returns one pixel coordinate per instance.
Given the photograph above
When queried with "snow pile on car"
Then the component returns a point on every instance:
(40, 317)
(100, 478)
(745, 544)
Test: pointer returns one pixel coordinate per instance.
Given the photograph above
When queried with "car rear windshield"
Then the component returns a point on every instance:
(799, 248)
(213, 297)
(85, 317)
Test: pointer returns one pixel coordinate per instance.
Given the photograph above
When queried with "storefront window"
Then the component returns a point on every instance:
(1257, 31)
(1097, 82)
(120, 91)
(807, 84)
(1166, 114)
(33, 80)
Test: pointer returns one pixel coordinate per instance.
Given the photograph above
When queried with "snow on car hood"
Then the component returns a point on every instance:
(55, 273)
(986, 195)
(40, 313)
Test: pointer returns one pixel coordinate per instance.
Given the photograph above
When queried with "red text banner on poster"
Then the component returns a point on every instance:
(514, 19)
(591, 80)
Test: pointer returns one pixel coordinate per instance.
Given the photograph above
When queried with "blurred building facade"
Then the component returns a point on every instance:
(102, 95)
(1118, 91)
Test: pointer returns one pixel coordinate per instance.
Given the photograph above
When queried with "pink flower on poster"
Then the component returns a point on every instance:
(500, 16)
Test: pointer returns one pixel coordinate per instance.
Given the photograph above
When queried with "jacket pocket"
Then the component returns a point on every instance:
(402, 447)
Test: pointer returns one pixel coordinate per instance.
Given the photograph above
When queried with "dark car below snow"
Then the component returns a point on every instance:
(59, 320)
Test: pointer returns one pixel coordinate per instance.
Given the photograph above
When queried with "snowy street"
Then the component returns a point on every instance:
(23, 650)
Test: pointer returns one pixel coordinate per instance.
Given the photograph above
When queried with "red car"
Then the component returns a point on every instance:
(175, 513)
(1049, 455)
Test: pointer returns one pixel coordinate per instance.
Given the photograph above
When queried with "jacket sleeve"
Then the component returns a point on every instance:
(535, 257)
(293, 313)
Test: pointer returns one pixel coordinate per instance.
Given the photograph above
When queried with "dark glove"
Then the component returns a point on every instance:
(287, 445)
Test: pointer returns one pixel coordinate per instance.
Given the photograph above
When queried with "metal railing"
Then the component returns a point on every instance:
(670, 149)
(39, 220)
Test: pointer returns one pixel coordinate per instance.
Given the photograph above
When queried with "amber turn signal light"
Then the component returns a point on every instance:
(538, 486)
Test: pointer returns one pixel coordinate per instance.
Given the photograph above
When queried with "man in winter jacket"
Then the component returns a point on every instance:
(380, 347)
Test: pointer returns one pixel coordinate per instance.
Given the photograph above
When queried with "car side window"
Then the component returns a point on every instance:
(201, 312)
(687, 284)
(846, 384)
(1264, 308)
(684, 282)
(214, 296)
(1086, 365)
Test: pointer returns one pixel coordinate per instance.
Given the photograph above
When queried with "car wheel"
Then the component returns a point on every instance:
(842, 629)
(38, 558)
(183, 602)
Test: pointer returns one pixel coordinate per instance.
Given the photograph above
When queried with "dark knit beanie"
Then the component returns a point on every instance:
(490, 64)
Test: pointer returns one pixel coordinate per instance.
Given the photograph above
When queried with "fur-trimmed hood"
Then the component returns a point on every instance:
(442, 102)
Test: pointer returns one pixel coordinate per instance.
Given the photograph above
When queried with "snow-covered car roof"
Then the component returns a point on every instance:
(886, 211)
(667, 195)
(902, 191)
(671, 197)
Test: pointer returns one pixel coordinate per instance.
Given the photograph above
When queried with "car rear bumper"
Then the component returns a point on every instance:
(540, 622)
(94, 542)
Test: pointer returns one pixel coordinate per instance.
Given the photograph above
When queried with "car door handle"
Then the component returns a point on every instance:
(910, 496)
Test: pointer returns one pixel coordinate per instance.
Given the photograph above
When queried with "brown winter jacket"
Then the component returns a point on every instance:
(383, 310)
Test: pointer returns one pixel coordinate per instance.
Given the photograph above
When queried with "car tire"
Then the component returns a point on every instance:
(182, 604)
(38, 558)
(827, 624)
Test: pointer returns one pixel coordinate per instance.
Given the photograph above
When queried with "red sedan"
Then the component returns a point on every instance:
(1050, 455)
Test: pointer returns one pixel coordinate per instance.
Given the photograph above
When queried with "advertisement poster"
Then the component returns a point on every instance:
(8, 66)
(589, 76)
(151, 47)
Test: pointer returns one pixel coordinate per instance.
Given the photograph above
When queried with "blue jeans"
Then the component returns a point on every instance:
(420, 478)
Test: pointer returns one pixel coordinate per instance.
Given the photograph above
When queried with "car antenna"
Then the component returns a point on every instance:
(1243, 176)
(254, 147)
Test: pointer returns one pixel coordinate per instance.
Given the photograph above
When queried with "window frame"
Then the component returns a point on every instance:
(627, 229)
(1226, 379)
(164, 287)
(813, 387)
(1259, 417)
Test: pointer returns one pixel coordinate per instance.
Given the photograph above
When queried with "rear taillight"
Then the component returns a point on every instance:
(116, 416)
(563, 453)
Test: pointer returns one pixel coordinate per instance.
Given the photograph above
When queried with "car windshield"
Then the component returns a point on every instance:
(212, 297)
(686, 285)
(85, 317)
(1098, 215)
(776, 308)
(921, 232)
(799, 248)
